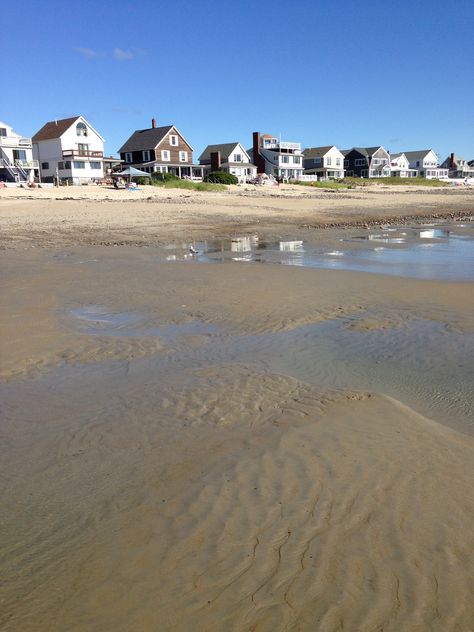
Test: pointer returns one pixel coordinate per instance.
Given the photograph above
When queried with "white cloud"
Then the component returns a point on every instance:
(88, 53)
(121, 54)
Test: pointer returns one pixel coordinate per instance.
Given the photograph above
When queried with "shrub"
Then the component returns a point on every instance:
(221, 177)
(163, 177)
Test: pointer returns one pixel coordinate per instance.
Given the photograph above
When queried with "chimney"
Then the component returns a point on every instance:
(258, 159)
(153, 123)
(451, 161)
(215, 160)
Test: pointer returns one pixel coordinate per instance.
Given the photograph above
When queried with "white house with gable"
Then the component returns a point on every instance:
(229, 157)
(70, 150)
(16, 156)
(327, 163)
(400, 167)
(426, 164)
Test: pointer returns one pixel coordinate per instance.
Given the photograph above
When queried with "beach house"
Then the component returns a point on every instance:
(229, 157)
(425, 162)
(281, 159)
(16, 156)
(163, 149)
(367, 162)
(69, 150)
(400, 167)
(327, 163)
(458, 167)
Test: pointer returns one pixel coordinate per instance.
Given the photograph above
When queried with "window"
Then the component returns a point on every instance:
(60, 166)
(81, 129)
(146, 155)
(237, 157)
(3, 131)
(45, 165)
(338, 162)
(67, 164)
(82, 149)
(360, 162)
(128, 157)
(285, 159)
(78, 164)
(19, 154)
(183, 156)
(173, 140)
(297, 160)
(96, 165)
(346, 163)
(329, 161)
(165, 154)
(317, 161)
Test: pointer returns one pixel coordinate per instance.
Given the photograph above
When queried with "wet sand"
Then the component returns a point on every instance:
(230, 447)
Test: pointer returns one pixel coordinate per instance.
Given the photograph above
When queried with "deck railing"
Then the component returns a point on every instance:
(82, 153)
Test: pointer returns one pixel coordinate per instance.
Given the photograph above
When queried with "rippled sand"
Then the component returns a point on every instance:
(249, 475)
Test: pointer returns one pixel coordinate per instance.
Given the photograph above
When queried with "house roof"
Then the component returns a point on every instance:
(54, 129)
(417, 155)
(145, 138)
(316, 152)
(224, 148)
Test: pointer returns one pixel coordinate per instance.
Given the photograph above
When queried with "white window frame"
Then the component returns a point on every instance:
(328, 161)
(174, 142)
(128, 156)
(183, 156)
(146, 155)
(238, 158)
(165, 155)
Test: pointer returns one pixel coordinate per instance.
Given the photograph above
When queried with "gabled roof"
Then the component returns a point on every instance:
(225, 149)
(149, 138)
(55, 129)
(145, 138)
(398, 155)
(417, 155)
(317, 152)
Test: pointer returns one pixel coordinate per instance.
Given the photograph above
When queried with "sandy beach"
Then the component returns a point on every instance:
(245, 447)
(151, 215)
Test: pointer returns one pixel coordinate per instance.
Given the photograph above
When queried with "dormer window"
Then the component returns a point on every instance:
(128, 157)
(146, 155)
(81, 129)
(173, 140)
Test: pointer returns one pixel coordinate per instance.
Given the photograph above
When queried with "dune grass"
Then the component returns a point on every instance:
(351, 183)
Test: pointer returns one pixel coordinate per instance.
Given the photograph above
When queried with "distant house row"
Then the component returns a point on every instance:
(71, 150)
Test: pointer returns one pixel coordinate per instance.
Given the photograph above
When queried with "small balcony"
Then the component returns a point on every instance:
(15, 141)
(82, 153)
(27, 164)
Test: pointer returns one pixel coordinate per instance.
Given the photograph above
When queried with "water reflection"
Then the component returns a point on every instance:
(429, 251)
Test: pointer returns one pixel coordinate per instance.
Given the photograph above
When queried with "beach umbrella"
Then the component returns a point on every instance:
(131, 172)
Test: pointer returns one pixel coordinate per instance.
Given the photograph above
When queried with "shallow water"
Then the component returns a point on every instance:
(438, 252)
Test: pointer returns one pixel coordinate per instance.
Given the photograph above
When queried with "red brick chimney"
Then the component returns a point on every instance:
(153, 122)
(215, 160)
(258, 159)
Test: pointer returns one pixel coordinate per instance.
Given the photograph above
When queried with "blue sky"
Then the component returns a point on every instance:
(364, 72)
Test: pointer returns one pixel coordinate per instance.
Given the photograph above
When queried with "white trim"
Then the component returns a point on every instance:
(163, 152)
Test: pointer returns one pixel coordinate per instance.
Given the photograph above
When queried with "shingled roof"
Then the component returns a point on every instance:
(224, 148)
(317, 152)
(54, 129)
(145, 138)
